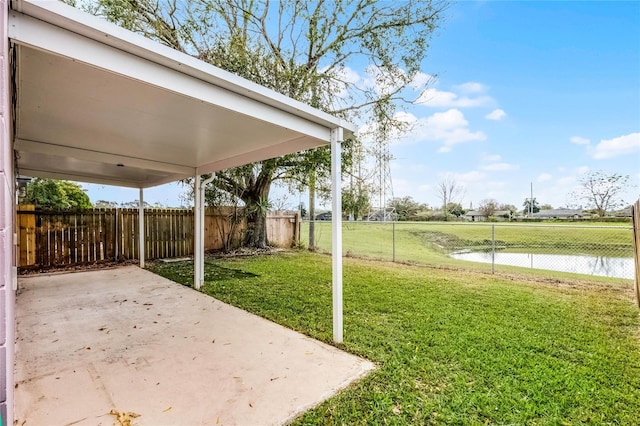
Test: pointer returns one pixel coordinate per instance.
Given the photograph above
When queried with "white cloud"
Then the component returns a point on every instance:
(543, 177)
(579, 140)
(473, 176)
(571, 175)
(420, 80)
(384, 81)
(407, 117)
(569, 182)
(342, 79)
(348, 75)
(500, 167)
(449, 127)
(490, 157)
(471, 87)
(402, 186)
(566, 181)
(492, 163)
(496, 115)
(444, 99)
(368, 132)
(449, 120)
(609, 148)
(496, 185)
(408, 168)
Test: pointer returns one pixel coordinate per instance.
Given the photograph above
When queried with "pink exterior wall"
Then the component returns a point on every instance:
(7, 217)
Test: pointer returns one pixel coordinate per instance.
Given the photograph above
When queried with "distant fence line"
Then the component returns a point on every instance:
(598, 250)
(65, 238)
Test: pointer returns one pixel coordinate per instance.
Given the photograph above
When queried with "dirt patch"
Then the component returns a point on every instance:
(241, 252)
(245, 252)
(74, 268)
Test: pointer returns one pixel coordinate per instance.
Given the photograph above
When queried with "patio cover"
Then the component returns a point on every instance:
(97, 103)
(93, 102)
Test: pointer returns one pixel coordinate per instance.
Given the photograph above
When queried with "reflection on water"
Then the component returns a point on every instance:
(618, 267)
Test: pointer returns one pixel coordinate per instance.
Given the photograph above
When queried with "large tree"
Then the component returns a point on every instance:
(305, 50)
(56, 194)
(602, 191)
(449, 191)
(455, 209)
(488, 207)
(106, 204)
(406, 207)
(356, 202)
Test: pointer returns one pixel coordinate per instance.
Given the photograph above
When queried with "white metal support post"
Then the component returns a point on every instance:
(336, 232)
(198, 211)
(197, 252)
(203, 185)
(8, 264)
(141, 227)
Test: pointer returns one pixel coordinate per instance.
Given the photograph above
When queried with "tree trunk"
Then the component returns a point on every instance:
(256, 205)
(312, 210)
(256, 235)
(445, 210)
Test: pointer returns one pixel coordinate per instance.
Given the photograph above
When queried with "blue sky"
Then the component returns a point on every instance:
(525, 92)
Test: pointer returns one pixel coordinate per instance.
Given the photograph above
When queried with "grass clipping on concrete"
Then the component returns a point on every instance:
(453, 347)
(124, 418)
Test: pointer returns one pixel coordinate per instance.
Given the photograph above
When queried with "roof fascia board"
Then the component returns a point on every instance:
(74, 20)
(101, 157)
(37, 34)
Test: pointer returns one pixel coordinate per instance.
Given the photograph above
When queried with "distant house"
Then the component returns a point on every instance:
(625, 212)
(383, 215)
(478, 216)
(559, 214)
(324, 216)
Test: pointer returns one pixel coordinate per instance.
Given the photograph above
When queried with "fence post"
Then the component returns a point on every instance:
(393, 230)
(297, 227)
(26, 225)
(116, 234)
(493, 248)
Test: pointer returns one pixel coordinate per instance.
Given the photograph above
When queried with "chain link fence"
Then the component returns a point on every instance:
(552, 249)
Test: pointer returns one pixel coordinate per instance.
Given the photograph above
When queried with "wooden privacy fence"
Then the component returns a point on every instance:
(635, 212)
(65, 238)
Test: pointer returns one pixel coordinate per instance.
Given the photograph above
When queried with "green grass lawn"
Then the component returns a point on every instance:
(431, 242)
(452, 346)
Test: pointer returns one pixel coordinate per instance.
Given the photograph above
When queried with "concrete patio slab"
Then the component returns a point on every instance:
(126, 339)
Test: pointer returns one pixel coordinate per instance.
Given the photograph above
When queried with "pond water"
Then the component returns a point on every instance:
(618, 267)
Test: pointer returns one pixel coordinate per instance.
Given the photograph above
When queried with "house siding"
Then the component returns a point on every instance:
(559, 214)
(7, 217)
(476, 216)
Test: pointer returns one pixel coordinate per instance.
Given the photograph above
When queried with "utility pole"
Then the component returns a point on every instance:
(385, 184)
(531, 201)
